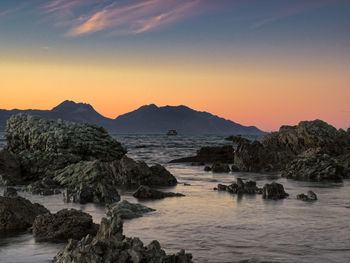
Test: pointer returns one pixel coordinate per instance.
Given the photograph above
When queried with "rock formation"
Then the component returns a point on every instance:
(145, 192)
(221, 154)
(18, 213)
(310, 196)
(127, 210)
(65, 224)
(110, 245)
(274, 191)
(240, 187)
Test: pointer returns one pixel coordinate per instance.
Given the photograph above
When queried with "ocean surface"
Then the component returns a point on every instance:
(216, 226)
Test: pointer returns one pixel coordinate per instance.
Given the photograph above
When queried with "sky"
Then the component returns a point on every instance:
(257, 62)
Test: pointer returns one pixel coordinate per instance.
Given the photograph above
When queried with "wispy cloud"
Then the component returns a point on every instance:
(134, 18)
(291, 9)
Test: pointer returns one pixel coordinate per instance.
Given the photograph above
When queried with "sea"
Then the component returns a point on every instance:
(214, 226)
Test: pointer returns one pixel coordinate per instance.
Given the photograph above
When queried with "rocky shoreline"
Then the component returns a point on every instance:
(86, 165)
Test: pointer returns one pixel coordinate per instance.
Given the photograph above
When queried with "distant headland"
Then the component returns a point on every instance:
(148, 119)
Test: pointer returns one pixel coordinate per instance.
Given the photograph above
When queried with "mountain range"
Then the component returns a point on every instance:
(148, 119)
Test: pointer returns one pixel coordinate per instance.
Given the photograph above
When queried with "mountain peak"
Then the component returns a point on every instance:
(71, 106)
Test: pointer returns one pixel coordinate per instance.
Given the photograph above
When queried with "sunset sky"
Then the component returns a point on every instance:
(256, 62)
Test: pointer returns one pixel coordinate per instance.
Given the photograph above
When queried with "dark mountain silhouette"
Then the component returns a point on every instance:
(146, 119)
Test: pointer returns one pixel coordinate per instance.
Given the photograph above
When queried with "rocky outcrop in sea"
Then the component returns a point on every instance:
(127, 210)
(110, 245)
(145, 192)
(81, 158)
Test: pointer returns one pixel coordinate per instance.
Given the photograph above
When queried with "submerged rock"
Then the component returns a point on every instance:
(10, 192)
(10, 169)
(65, 224)
(311, 196)
(274, 191)
(315, 168)
(145, 192)
(18, 213)
(110, 245)
(220, 168)
(222, 154)
(127, 210)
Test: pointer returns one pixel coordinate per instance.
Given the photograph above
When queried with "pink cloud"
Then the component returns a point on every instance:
(134, 18)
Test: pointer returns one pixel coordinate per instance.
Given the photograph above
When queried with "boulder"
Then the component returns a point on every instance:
(65, 224)
(10, 169)
(45, 186)
(274, 191)
(315, 168)
(220, 168)
(130, 173)
(310, 196)
(110, 245)
(10, 192)
(18, 213)
(222, 154)
(145, 192)
(127, 210)
(207, 168)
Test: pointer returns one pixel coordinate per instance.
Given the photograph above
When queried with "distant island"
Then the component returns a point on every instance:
(148, 119)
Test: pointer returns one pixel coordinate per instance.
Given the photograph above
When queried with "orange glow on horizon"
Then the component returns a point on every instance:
(264, 97)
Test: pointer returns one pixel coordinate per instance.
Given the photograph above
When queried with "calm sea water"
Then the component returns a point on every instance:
(217, 226)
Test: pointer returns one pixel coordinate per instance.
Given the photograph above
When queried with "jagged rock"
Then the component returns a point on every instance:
(307, 135)
(43, 146)
(311, 196)
(110, 245)
(240, 187)
(10, 192)
(237, 139)
(127, 210)
(65, 224)
(220, 168)
(97, 193)
(132, 173)
(46, 186)
(10, 169)
(145, 192)
(255, 157)
(274, 191)
(222, 154)
(18, 213)
(315, 168)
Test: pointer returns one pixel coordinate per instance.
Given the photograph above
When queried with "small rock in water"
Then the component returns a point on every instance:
(10, 192)
(311, 196)
(127, 210)
(274, 191)
(145, 192)
(240, 187)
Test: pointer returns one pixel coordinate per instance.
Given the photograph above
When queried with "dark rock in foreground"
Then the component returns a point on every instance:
(315, 168)
(240, 187)
(221, 154)
(127, 210)
(65, 224)
(110, 245)
(145, 192)
(310, 196)
(18, 213)
(10, 169)
(274, 191)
